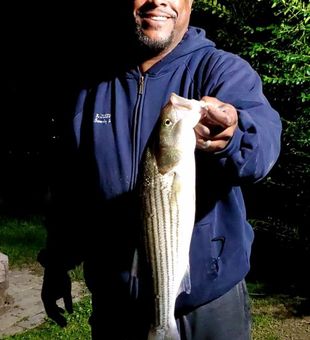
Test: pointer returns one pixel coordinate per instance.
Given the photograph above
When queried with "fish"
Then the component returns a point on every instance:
(167, 192)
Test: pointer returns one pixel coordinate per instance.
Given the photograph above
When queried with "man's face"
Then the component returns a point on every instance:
(161, 24)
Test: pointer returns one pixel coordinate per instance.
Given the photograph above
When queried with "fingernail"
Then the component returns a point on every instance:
(206, 144)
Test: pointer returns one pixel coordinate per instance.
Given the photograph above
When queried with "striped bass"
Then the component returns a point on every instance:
(168, 209)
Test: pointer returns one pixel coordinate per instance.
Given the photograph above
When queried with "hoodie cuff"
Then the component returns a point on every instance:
(233, 146)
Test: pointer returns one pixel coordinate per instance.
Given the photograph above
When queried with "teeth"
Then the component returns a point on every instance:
(159, 18)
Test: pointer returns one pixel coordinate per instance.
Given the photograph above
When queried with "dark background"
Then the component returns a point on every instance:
(48, 53)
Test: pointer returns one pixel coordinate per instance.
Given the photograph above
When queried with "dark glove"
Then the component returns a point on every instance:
(56, 285)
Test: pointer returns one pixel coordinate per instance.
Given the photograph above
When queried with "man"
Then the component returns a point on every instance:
(238, 142)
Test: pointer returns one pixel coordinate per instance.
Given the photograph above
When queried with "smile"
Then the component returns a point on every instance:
(157, 18)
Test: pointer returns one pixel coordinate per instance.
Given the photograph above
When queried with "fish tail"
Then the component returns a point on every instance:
(170, 333)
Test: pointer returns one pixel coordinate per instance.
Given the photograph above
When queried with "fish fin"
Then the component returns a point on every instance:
(180, 102)
(170, 333)
(188, 104)
(133, 280)
(185, 285)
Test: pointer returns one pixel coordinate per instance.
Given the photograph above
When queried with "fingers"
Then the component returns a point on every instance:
(54, 312)
(211, 146)
(218, 113)
(215, 143)
(58, 318)
(217, 125)
(56, 285)
(202, 130)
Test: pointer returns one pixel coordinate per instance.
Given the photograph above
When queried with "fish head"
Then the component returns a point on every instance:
(175, 131)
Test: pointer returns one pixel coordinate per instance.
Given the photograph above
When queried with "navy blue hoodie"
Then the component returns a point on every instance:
(112, 125)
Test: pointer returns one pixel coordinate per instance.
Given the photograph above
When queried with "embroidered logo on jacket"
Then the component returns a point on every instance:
(102, 118)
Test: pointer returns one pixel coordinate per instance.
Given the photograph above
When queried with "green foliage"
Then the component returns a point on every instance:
(227, 21)
(283, 59)
(77, 274)
(264, 327)
(273, 35)
(21, 239)
(77, 328)
(280, 51)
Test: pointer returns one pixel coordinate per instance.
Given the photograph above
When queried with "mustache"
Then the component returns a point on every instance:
(149, 9)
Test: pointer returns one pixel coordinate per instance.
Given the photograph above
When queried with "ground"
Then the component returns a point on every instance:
(24, 308)
(277, 318)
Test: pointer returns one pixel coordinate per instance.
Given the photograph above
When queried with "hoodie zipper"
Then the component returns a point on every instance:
(136, 126)
(141, 85)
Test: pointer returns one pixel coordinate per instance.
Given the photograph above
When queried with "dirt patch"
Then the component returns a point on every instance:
(24, 308)
(281, 316)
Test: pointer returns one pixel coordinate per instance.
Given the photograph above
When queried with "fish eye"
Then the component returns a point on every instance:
(167, 122)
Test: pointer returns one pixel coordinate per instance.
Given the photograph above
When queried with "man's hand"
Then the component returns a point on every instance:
(56, 285)
(217, 125)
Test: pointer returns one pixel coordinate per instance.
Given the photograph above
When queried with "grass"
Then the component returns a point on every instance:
(77, 328)
(262, 324)
(273, 316)
(277, 316)
(21, 240)
(271, 321)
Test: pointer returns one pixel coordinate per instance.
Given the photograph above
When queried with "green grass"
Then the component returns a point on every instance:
(77, 328)
(21, 239)
(264, 325)
(267, 314)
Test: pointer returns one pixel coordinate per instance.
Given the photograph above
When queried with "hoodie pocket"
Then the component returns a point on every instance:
(207, 250)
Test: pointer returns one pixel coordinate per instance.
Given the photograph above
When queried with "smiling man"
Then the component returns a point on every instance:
(162, 24)
(96, 218)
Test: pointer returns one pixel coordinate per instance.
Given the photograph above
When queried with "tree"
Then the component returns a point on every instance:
(273, 35)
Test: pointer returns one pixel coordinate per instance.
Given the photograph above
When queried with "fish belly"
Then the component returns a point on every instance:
(168, 214)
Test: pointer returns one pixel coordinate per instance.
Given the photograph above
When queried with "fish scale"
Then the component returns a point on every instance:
(166, 246)
(167, 191)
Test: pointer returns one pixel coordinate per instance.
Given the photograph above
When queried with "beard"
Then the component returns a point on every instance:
(152, 46)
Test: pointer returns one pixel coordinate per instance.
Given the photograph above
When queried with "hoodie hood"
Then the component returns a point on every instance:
(194, 39)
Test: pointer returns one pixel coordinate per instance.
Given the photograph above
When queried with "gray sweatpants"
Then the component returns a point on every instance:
(225, 318)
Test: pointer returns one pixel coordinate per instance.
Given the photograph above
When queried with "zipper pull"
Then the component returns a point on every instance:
(141, 84)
